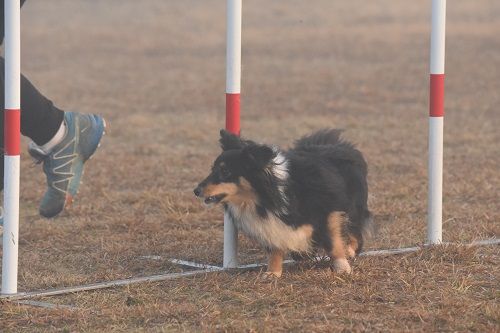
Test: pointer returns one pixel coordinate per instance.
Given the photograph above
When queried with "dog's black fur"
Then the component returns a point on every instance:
(303, 186)
(330, 175)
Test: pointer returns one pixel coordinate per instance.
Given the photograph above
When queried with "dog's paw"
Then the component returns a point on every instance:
(342, 266)
(271, 275)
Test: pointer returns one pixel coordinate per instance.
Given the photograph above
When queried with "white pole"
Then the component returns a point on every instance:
(230, 244)
(12, 145)
(233, 83)
(233, 46)
(436, 114)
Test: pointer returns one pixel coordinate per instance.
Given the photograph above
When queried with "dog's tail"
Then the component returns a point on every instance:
(327, 136)
(363, 229)
(367, 226)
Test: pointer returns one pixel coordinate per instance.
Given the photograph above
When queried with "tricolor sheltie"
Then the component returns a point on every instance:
(311, 196)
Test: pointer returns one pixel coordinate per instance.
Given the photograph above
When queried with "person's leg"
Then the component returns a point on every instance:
(40, 119)
(62, 141)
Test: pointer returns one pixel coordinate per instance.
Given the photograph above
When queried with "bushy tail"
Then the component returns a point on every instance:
(363, 229)
(367, 227)
(327, 136)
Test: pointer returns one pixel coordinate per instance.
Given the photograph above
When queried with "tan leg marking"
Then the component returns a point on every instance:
(352, 247)
(335, 221)
(338, 253)
(275, 264)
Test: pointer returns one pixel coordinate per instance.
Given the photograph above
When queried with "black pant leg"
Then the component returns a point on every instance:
(2, 26)
(40, 119)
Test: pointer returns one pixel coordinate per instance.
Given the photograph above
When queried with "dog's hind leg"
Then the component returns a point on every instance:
(352, 247)
(338, 250)
(275, 264)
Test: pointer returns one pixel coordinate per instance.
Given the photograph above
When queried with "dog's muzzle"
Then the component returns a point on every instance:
(213, 199)
(197, 191)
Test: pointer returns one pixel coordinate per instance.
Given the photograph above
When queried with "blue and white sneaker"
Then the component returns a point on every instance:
(63, 166)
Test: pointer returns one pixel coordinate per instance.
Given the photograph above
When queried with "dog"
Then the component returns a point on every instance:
(313, 196)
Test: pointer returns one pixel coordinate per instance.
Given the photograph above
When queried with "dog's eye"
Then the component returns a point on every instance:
(224, 173)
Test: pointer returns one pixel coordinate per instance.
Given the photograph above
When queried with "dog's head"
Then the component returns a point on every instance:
(230, 178)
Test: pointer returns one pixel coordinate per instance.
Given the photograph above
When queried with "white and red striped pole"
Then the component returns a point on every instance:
(12, 138)
(233, 83)
(436, 115)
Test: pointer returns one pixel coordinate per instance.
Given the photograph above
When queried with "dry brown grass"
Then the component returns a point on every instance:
(155, 70)
(445, 289)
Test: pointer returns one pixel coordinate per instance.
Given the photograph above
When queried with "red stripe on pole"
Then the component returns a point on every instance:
(12, 133)
(436, 107)
(233, 113)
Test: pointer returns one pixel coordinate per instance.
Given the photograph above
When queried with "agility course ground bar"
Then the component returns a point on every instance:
(46, 305)
(195, 264)
(102, 285)
(209, 269)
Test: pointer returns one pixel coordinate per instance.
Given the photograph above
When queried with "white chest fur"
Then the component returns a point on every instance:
(271, 231)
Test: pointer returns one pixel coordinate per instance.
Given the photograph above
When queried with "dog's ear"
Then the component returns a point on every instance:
(229, 141)
(258, 155)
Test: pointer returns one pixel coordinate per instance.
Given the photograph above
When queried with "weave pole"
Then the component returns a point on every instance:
(233, 83)
(436, 115)
(12, 140)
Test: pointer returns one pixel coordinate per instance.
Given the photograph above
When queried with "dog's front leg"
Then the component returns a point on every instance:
(275, 264)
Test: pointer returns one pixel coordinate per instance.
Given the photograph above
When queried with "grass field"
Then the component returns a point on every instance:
(155, 70)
